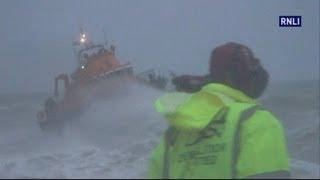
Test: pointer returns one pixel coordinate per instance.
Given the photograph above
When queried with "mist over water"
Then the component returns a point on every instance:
(114, 137)
(111, 139)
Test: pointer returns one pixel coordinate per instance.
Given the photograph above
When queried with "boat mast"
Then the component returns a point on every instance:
(80, 44)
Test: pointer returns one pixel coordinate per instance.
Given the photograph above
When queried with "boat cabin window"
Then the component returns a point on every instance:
(90, 52)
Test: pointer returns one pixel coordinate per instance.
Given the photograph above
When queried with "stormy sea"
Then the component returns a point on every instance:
(113, 138)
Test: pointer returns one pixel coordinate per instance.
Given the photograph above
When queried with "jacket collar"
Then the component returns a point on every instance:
(231, 93)
(192, 112)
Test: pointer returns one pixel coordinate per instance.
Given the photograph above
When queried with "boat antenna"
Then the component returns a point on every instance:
(113, 47)
(104, 36)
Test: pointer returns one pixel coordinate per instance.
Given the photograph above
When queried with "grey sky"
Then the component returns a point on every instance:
(36, 36)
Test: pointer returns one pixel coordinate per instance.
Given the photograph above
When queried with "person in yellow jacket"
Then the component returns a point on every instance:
(217, 128)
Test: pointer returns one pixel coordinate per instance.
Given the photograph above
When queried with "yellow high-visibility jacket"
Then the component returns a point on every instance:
(218, 132)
